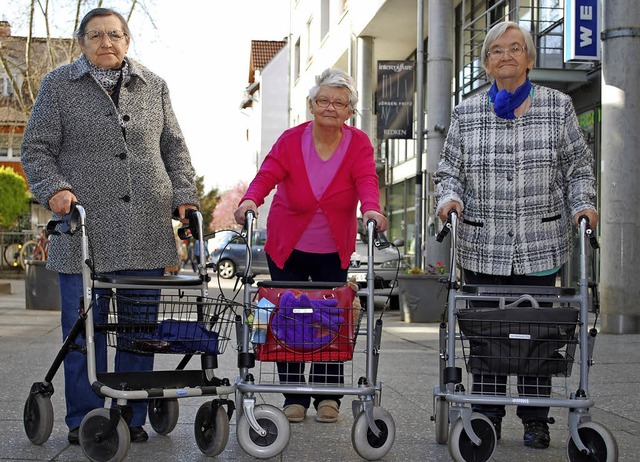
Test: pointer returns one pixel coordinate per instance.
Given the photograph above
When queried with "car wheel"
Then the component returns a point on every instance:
(226, 269)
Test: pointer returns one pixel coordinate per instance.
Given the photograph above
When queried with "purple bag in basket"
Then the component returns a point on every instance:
(304, 323)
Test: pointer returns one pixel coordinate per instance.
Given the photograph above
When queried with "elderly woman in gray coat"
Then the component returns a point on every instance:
(102, 133)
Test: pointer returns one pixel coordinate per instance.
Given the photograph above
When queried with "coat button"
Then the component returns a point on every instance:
(509, 176)
(510, 234)
(125, 198)
(126, 118)
(509, 124)
(122, 155)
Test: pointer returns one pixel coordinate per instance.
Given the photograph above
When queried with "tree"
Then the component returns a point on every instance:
(223, 213)
(14, 198)
(208, 201)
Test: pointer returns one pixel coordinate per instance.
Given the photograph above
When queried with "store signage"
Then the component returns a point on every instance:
(582, 30)
(394, 99)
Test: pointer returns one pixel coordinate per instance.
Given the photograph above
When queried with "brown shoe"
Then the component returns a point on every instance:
(295, 412)
(328, 411)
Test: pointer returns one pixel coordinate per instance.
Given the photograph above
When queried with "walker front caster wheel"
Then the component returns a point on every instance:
(273, 442)
(100, 440)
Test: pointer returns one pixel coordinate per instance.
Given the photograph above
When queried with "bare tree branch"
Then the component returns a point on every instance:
(133, 5)
(27, 52)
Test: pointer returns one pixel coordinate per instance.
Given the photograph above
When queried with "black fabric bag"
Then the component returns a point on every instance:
(519, 340)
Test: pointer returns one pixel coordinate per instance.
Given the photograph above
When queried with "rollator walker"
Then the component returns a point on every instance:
(266, 337)
(527, 334)
(181, 320)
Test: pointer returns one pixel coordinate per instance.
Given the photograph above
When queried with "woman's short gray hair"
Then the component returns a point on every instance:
(333, 77)
(498, 30)
(96, 12)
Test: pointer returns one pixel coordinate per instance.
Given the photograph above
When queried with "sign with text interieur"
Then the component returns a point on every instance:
(394, 99)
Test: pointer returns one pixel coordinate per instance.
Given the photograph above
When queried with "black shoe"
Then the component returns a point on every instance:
(497, 424)
(536, 434)
(138, 435)
(74, 436)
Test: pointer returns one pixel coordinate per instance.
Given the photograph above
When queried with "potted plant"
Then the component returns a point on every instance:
(423, 293)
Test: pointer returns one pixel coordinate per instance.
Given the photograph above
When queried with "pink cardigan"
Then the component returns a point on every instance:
(294, 203)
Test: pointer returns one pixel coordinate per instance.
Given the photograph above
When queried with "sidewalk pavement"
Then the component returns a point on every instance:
(29, 340)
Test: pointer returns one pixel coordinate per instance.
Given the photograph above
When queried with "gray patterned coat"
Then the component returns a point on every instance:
(129, 185)
(519, 181)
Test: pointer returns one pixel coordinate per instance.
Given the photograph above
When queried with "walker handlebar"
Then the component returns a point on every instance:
(67, 224)
(446, 227)
(378, 244)
(591, 235)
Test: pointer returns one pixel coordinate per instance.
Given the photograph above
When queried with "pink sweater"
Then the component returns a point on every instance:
(294, 203)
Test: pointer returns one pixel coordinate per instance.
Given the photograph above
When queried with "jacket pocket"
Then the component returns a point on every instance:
(472, 223)
(553, 218)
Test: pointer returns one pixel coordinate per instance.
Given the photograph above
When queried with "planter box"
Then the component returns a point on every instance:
(42, 289)
(423, 297)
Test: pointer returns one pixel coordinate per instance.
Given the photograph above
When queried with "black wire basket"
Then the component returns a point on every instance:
(177, 324)
(532, 342)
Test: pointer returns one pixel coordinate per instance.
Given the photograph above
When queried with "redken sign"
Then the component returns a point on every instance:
(394, 99)
(582, 30)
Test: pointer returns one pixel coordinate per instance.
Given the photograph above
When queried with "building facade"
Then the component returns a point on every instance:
(356, 35)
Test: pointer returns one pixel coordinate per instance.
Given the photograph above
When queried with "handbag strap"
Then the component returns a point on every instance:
(534, 303)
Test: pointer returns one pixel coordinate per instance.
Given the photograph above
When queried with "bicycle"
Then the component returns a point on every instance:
(35, 249)
(12, 243)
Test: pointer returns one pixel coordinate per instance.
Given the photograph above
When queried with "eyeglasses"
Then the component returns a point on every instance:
(96, 36)
(325, 103)
(498, 53)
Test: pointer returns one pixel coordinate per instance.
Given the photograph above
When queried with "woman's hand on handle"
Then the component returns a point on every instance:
(60, 203)
(591, 214)
(381, 220)
(182, 212)
(443, 212)
(242, 209)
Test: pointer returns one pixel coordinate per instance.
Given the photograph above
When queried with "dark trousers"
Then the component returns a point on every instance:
(309, 267)
(496, 384)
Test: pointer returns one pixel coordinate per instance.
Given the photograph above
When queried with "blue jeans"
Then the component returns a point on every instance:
(80, 397)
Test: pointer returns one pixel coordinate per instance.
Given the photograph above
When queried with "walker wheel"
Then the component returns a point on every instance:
(462, 449)
(441, 419)
(163, 415)
(211, 429)
(597, 439)
(365, 442)
(38, 418)
(273, 442)
(100, 441)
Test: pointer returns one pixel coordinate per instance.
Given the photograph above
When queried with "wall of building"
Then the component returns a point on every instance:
(273, 112)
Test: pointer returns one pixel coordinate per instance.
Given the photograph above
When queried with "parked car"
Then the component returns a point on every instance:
(388, 261)
(227, 253)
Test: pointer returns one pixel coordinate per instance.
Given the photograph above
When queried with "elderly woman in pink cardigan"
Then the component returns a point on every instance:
(322, 169)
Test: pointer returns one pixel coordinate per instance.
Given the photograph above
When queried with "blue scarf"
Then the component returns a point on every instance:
(504, 103)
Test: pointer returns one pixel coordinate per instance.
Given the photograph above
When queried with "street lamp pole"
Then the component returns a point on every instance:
(419, 135)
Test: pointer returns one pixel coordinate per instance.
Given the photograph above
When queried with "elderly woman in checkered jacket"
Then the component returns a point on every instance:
(517, 170)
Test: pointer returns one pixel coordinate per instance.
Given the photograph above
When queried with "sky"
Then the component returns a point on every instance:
(201, 48)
